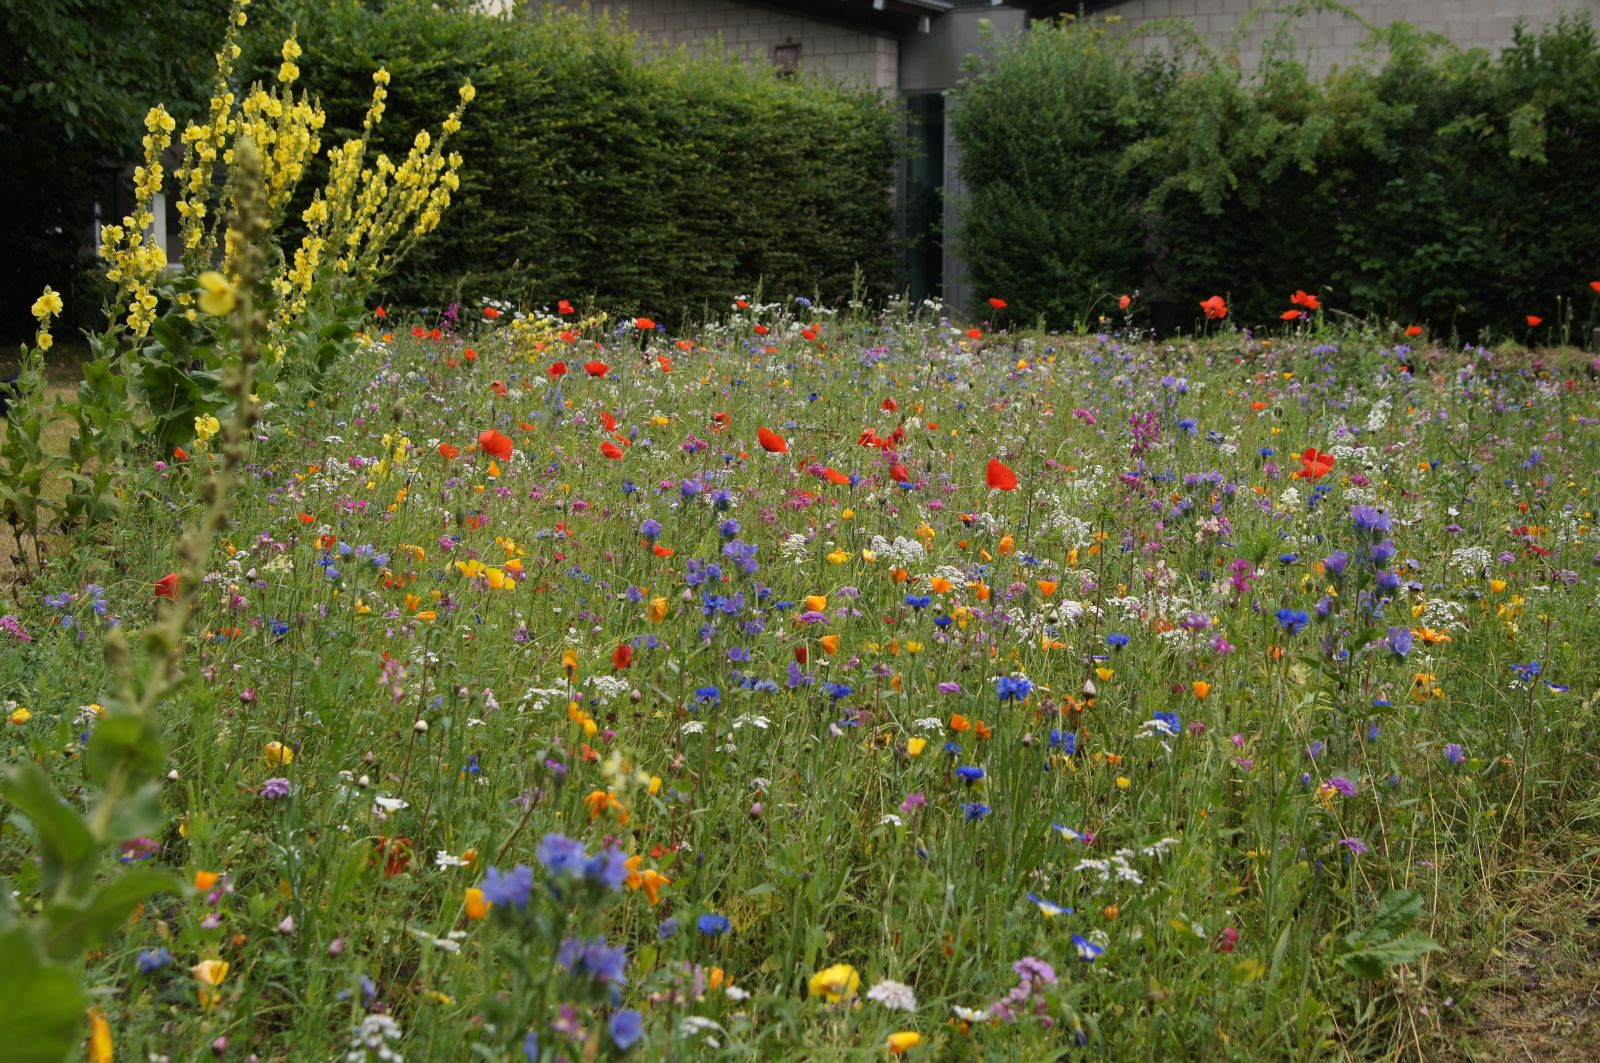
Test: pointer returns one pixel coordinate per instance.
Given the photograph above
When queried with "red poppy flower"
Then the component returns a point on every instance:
(179, 454)
(771, 442)
(809, 333)
(665, 363)
(1413, 330)
(622, 656)
(1125, 302)
(435, 334)
(306, 518)
(596, 368)
(495, 443)
(557, 370)
(469, 354)
(448, 452)
(1314, 464)
(684, 345)
(1534, 320)
(417, 332)
(608, 421)
(564, 308)
(899, 473)
(379, 312)
(742, 304)
(1310, 302)
(890, 406)
(762, 330)
(490, 312)
(801, 655)
(999, 476)
(167, 586)
(1291, 315)
(974, 333)
(1595, 285)
(644, 324)
(611, 450)
(997, 302)
(834, 476)
(720, 422)
(1216, 308)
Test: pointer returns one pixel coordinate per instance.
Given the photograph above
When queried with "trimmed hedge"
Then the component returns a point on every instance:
(666, 183)
(1432, 185)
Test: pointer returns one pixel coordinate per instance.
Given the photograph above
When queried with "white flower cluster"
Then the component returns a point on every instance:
(607, 687)
(902, 551)
(371, 1040)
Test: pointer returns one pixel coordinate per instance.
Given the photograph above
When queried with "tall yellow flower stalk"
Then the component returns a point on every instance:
(368, 217)
(205, 146)
(133, 258)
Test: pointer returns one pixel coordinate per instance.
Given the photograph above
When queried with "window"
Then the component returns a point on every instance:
(786, 57)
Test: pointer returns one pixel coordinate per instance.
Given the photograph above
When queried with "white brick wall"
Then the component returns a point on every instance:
(1333, 40)
(853, 55)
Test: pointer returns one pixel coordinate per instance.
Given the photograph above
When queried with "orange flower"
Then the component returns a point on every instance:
(1216, 308)
(596, 368)
(1310, 302)
(1413, 330)
(644, 324)
(996, 302)
(650, 880)
(1125, 302)
(1201, 689)
(1047, 587)
(1534, 320)
(772, 442)
(477, 904)
(600, 801)
(564, 308)
(829, 644)
(959, 723)
(611, 450)
(447, 452)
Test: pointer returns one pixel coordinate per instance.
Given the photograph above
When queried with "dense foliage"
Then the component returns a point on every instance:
(1429, 184)
(595, 170)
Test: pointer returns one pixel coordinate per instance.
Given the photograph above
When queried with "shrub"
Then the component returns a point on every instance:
(1434, 185)
(667, 182)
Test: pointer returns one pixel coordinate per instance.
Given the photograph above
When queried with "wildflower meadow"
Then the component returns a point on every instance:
(530, 683)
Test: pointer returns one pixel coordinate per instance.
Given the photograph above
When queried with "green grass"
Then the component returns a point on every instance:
(1228, 924)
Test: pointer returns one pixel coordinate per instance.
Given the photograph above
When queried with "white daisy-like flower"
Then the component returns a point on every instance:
(896, 996)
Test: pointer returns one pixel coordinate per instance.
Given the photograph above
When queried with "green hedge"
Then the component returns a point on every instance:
(1429, 185)
(668, 184)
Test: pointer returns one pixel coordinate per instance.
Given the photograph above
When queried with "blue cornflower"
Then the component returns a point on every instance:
(1066, 741)
(509, 890)
(1454, 754)
(712, 924)
(839, 690)
(919, 601)
(152, 960)
(976, 810)
(1292, 620)
(650, 529)
(970, 773)
(1116, 640)
(1172, 721)
(626, 1027)
(1527, 672)
(560, 855)
(1014, 688)
(667, 929)
(707, 694)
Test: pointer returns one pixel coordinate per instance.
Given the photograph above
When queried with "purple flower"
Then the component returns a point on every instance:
(1400, 641)
(1454, 754)
(511, 889)
(1355, 845)
(273, 789)
(626, 1027)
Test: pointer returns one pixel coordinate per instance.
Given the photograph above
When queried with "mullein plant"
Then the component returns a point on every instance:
(155, 378)
(24, 463)
(56, 910)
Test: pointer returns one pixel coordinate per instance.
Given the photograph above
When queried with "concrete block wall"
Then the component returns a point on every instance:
(848, 54)
(1334, 40)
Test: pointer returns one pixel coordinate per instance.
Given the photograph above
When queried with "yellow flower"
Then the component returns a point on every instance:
(209, 973)
(835, 983)
(477, 904)
(915, 746)
(206, 426)
(217, 296)
(817, 603)
(19, 716)
(1201, 689)
(658, 609)
(904, 1041)
(99, 1037)
(278, 753)
(1122, 782)
(47, 305)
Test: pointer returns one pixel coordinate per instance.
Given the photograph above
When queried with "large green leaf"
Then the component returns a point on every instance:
(67, 851)
(41, 1004)
(78, 925)
(1371, 961)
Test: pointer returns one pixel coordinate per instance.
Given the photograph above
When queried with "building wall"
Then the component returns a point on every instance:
(846, 53)
(1333, 39)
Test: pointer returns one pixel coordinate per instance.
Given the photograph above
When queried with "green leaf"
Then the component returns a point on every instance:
(1396, 912)
(79, 925)
(41, 1004)
(1370, 962)
(131, 740)
(67, 851)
